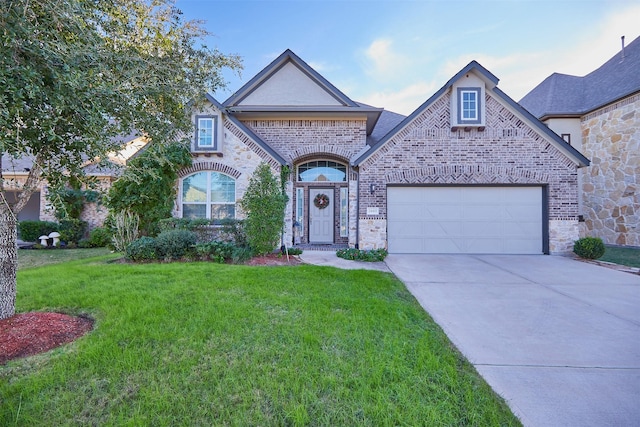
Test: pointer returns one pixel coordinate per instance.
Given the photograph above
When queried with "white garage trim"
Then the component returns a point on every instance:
(467, 219)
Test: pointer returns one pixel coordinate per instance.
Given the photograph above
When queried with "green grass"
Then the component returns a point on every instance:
(623, 256)
(28, 258)
(205, 344)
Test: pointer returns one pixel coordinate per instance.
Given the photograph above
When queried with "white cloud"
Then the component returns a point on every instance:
(403, 101)
(383, 61)
(519, 73)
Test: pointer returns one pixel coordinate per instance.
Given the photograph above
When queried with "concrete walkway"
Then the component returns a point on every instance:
(329, 258)
(558, 338)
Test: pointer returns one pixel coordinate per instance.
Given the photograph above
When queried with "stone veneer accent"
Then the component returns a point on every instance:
(611, 185)
(373, 233)
(507, 151)
(562, 234)
(239, 158)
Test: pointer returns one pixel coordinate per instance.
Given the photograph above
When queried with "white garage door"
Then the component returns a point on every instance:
(473, 220)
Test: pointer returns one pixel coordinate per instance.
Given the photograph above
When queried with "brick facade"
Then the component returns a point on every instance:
(300, 141)
(506, 151)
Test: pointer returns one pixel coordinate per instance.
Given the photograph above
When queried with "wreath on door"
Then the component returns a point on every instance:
(321, 201)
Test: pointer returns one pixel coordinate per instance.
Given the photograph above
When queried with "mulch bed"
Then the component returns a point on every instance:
(27, 334)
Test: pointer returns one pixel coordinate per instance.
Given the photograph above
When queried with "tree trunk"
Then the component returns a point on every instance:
(8, 259)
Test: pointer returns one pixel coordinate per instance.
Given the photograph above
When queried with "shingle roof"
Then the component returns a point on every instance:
(565, 95)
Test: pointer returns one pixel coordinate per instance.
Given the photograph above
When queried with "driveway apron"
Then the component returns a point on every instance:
(557, 338)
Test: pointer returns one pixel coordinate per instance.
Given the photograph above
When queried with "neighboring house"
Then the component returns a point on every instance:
(470, 171)
(599, 114)
(39, 207)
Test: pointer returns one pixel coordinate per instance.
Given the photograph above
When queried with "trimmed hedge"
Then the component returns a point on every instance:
(373, 255)
(30, 231)
(142, 249)
(175, 244)
(589, 247)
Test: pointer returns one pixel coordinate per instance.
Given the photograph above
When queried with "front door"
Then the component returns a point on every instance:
(321, 210)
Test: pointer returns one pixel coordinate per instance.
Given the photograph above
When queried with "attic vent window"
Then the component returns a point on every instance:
(469, 107)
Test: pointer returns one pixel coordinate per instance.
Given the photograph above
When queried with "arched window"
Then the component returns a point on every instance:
(322, 171)
(210, 195)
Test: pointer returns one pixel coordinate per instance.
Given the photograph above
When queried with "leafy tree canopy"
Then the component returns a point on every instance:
(75, 74)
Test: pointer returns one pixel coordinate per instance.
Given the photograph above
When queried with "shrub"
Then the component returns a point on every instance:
(372, 255)
(233, 230)
(99, 237)
(589, 247)
(264, 203)
(142, 249)
(30, 231)
(241, 254)
(216, 251)
(175, 244)
(72, 230)
(292, 251)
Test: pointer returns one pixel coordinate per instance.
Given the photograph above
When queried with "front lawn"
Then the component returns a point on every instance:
(28, 258)
(210, 344)
(621, 255)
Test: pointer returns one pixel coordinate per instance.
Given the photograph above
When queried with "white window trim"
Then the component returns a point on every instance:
(478, 118)
(208, 202)
(214, 133)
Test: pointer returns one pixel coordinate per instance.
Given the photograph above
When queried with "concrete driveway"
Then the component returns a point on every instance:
(558, 338)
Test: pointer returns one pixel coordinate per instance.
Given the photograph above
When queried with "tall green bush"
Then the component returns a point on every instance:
(147, 187)
(263, 204)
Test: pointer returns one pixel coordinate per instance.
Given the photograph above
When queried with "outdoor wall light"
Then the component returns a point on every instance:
(372, 188)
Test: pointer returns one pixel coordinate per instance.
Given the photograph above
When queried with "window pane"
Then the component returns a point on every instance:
(322, 171)
(223, 211)
(194, 188)
(344, 212)
(194, 211)
(300, 210)
(469, 105)
(223, 188)
(205, 132)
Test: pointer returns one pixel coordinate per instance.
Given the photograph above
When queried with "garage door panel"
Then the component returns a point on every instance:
(523, 213)
(439, 195)
(458, 219)
(441, 229)
(483, 212)
(442, 212)
(442, 246)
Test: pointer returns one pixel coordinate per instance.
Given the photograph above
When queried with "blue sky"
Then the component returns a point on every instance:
(396, 53)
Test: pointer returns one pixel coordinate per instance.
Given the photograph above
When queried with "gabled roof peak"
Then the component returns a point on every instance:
(288, 57)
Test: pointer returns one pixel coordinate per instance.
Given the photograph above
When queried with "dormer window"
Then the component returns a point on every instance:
(469, 107)
(206, 138)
